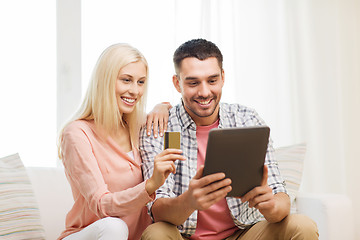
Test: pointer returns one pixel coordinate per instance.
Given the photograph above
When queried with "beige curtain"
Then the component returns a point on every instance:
(325, 60)
(298, 64)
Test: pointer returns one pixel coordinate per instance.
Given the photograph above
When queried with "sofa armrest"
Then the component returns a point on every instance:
(53, 194)
(332, 213)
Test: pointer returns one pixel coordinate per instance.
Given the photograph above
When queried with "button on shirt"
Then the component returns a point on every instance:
(231, 115)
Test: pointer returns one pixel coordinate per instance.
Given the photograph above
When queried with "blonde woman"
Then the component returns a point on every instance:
(99, 150)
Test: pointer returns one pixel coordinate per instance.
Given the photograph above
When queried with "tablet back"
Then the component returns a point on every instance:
(240, 154)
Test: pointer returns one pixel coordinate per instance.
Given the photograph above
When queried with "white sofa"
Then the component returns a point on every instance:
(53, 195)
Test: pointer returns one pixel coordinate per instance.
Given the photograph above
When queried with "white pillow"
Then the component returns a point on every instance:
(19, 213)
(291, 162)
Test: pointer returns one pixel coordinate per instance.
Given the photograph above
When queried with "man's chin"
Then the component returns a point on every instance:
(204, 113)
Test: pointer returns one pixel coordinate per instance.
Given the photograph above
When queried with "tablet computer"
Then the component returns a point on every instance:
(240, 154)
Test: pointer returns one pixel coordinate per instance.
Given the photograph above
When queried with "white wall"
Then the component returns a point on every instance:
(28, 80)
(68, 59)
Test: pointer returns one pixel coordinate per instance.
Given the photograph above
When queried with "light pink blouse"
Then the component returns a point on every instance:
(105, 180)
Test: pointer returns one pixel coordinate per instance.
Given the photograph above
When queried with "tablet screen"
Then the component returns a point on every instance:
(240, 154)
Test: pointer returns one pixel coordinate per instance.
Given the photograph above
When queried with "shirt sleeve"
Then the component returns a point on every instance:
(149, 147)
(84, 174)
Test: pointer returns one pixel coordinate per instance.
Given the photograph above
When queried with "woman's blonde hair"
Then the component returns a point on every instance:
(100, 102)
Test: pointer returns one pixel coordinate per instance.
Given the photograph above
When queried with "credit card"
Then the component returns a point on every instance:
(172, 140)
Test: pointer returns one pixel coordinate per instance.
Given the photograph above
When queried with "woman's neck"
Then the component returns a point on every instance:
(122, 138)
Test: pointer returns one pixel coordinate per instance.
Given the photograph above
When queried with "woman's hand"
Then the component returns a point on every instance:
(158, 118)
(163, 166)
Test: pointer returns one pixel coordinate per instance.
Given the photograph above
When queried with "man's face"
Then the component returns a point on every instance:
(200, 83)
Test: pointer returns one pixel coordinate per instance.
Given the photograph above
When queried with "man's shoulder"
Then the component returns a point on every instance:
(175, 114)
(174, 110)
(236, 108)
(236, 115)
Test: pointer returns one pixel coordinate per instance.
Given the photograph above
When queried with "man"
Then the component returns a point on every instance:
(190, 206)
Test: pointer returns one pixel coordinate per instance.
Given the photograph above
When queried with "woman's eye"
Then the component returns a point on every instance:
(126, 80)
(141, 82)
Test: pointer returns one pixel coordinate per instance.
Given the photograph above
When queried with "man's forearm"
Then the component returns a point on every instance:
(281, 210)
(172, 210)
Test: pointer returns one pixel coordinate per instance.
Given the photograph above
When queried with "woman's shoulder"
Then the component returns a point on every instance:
(79, 127)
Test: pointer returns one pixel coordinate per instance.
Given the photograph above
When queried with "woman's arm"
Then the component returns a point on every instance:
(82, 169)
(84, 174)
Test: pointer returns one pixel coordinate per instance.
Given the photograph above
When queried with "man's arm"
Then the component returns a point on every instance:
(270, 198)
(203, 192)
(274, 207)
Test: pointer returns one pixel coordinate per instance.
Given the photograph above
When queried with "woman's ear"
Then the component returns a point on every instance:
(176, 82)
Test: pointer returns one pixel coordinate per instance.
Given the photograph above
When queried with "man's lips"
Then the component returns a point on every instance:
(204, 102)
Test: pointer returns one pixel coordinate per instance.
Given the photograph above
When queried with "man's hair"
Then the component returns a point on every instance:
(198, 48)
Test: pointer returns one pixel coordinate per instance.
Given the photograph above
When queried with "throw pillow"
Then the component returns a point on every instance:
(291, 161)
(19, 213)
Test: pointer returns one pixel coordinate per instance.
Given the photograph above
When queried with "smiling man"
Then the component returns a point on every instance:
(190, 206)
(200, 83)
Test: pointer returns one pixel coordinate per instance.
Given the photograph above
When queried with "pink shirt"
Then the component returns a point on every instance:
(215, 222)
(105, 181)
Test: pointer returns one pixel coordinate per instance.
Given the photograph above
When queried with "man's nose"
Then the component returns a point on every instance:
(204, 90)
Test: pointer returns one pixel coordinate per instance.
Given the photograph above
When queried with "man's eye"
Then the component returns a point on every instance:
(192, 83)
(212, 81)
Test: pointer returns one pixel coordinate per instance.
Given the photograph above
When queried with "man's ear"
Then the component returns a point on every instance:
(176, 82)
(223, 76)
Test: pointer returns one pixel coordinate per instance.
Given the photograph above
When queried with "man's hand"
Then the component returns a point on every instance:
(273, 207)
(205, 191)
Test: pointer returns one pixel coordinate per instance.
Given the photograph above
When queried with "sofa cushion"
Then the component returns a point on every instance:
(291, 161)
(19, 212)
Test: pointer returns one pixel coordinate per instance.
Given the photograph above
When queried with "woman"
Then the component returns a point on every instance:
(99, 150)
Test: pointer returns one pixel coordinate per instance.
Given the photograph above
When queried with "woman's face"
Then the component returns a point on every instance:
(130, 86)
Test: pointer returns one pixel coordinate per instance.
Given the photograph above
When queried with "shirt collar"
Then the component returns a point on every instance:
(224, 117)
(184, 118)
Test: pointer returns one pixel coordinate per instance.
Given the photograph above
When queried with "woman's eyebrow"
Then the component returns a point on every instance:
(125, 74)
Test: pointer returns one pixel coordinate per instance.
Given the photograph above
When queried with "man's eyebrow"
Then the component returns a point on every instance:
(214, 76)
(195, 78)
(190, 78)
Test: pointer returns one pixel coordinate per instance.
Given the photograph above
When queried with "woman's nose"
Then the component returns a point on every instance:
(134, 89)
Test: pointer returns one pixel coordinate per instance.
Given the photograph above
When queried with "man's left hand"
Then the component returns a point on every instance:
(273, 207)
